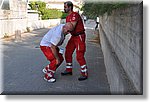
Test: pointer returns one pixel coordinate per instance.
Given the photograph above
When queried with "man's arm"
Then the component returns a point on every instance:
(74, 19)
(74, 24)
(54, 50)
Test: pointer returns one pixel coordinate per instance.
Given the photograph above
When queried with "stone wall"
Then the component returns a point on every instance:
(121, 35)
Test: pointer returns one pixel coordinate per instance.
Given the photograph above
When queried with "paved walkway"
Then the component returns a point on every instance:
(23, 62)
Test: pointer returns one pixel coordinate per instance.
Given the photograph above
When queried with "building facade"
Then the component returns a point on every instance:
(59, 4)
(13, 16)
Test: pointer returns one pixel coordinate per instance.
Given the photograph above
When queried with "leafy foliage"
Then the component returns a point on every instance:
(46, 13)
(94, 9)
(52, 13)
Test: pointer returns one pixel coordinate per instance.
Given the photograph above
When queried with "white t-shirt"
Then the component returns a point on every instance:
(97, 19)
(53, 36)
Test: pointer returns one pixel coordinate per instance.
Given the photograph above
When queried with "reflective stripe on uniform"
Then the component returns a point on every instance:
(84, 70)
(83, 66)
(69, 63)
(68, 66)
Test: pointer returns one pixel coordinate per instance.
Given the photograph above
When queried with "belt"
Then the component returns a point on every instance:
(78, 33)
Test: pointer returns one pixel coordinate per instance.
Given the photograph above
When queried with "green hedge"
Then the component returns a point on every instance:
(53, 14)
(46, 13)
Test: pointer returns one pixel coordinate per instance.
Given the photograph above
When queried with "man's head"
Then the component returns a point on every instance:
(68, 6)
(67, 28)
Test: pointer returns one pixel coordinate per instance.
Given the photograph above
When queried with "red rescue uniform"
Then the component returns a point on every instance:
(79, 28)
(50, 56)
(77, 41)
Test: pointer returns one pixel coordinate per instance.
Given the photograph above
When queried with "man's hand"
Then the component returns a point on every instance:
(54, 50)
(57, 61)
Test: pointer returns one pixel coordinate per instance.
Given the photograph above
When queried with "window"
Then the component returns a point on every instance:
(4, 5)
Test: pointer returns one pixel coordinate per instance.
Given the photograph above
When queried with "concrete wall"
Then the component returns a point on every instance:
(37, 24)
(16, 19)
(10, 26)
(32, 16)
(121, 38)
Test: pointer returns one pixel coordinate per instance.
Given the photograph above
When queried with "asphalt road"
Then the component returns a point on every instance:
(23, 62)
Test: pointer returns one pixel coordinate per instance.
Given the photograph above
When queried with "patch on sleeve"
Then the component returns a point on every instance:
(73, 18)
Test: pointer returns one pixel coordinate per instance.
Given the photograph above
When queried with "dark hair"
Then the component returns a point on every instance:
(69, 4)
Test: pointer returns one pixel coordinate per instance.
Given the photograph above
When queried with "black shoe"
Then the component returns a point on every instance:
(81, 78)
(66, 73)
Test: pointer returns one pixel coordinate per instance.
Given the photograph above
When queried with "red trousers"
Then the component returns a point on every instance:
(78, 43)
(50, 56)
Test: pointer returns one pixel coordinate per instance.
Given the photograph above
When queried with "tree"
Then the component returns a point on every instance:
(94, 9)
(46, 13)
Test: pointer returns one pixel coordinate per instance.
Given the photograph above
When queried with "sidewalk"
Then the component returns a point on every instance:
(23, 63)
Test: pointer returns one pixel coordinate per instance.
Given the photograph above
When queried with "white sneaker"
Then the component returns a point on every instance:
(49, 77)
(46, 69)
(51, 80)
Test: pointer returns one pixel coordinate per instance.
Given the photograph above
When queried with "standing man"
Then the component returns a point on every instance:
(97, 22)
(76, 42)
(49, 46)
